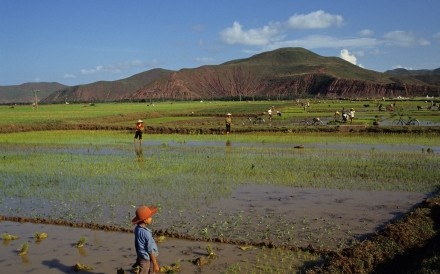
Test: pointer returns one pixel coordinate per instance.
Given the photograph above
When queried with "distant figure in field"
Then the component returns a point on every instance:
(336, 115)
(228, 122)
(351, 115)
(270, 114)
(138, 131)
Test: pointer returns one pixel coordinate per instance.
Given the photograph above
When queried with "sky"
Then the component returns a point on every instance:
(83, 41)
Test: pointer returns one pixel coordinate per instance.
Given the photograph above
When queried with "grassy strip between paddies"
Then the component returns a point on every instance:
(83, 137)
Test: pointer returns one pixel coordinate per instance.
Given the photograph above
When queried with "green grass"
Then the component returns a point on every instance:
(100, 176)
(163, 113)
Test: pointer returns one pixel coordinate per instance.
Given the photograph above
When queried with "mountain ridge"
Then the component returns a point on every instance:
(281, 73)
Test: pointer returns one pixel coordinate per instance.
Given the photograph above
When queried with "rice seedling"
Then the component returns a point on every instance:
(210, 252)
(9, 237)
(169, 269)
(62, 178)
(276, 260)
(81, 242)
(23, 249)
(82, 267)
(40, 236)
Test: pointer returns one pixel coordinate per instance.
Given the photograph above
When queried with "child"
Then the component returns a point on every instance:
(146, 247)
(138, 131)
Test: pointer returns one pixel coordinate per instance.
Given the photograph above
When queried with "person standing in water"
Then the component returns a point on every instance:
(138, 131)
(228, 122)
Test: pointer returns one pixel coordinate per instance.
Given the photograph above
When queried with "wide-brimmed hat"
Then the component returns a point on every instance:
(229, 114)
(143, 213)
(140, 121)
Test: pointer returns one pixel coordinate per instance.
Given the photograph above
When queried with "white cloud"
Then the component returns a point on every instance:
(324, 41)
(366, 32)
(272, 32)
(399, 66)
(69, 76)
(314, 20)
(115, 68)
(404, 39)
(347, 56)
(254, 37)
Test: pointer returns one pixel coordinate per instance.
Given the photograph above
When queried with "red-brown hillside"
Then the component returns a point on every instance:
(283, 73)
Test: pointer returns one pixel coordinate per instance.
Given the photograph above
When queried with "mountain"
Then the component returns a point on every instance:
(430, 77)
(25, 93)
(106, 90)
(283, 73)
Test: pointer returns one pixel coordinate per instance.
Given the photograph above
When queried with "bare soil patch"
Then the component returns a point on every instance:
(345, 215)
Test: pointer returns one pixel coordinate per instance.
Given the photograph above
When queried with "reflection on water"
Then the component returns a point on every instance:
(139, 153)
(228, 148)
(82, 251)
(24, 259)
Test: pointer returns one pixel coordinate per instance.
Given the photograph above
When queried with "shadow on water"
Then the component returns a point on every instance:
(55, 263)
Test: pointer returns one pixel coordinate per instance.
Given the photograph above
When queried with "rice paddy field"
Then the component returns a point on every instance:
(271, 197)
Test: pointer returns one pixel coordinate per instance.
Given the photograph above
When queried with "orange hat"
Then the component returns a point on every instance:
(143, 213)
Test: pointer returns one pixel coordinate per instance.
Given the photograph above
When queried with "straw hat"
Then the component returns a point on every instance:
(140, 121)
(229, 114)
(143, 213)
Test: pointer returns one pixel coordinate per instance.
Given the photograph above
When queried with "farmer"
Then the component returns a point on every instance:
(138, 131)
(351, 115)
(146, 247)
(228, 122)
(336, 116)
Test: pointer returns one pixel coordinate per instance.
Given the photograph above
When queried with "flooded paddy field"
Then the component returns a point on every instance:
(246, 199)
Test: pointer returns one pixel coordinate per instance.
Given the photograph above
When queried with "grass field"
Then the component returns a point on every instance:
(99, 175)
(210, 113)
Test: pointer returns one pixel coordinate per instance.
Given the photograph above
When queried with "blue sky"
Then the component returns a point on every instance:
(83, 41)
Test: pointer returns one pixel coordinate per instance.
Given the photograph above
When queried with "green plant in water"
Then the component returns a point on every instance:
(40, 236)
(169, 269)
(81, 242)
(23, 249)
(210, 251)
(81, 267)
(9, 237)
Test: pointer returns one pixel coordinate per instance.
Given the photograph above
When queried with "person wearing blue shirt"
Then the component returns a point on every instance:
(146, 247)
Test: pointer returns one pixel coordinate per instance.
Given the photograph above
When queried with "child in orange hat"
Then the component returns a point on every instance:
(146, 247)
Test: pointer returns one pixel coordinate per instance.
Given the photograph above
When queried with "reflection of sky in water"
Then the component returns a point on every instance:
(108, 150)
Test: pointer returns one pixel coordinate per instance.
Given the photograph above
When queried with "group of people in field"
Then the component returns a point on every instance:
(344, 115)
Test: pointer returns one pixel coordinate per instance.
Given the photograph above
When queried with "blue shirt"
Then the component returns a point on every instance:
(144, 243)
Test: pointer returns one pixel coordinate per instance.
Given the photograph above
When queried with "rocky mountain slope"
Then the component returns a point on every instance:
(106, 90)
(286, 73)
(283, 73)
